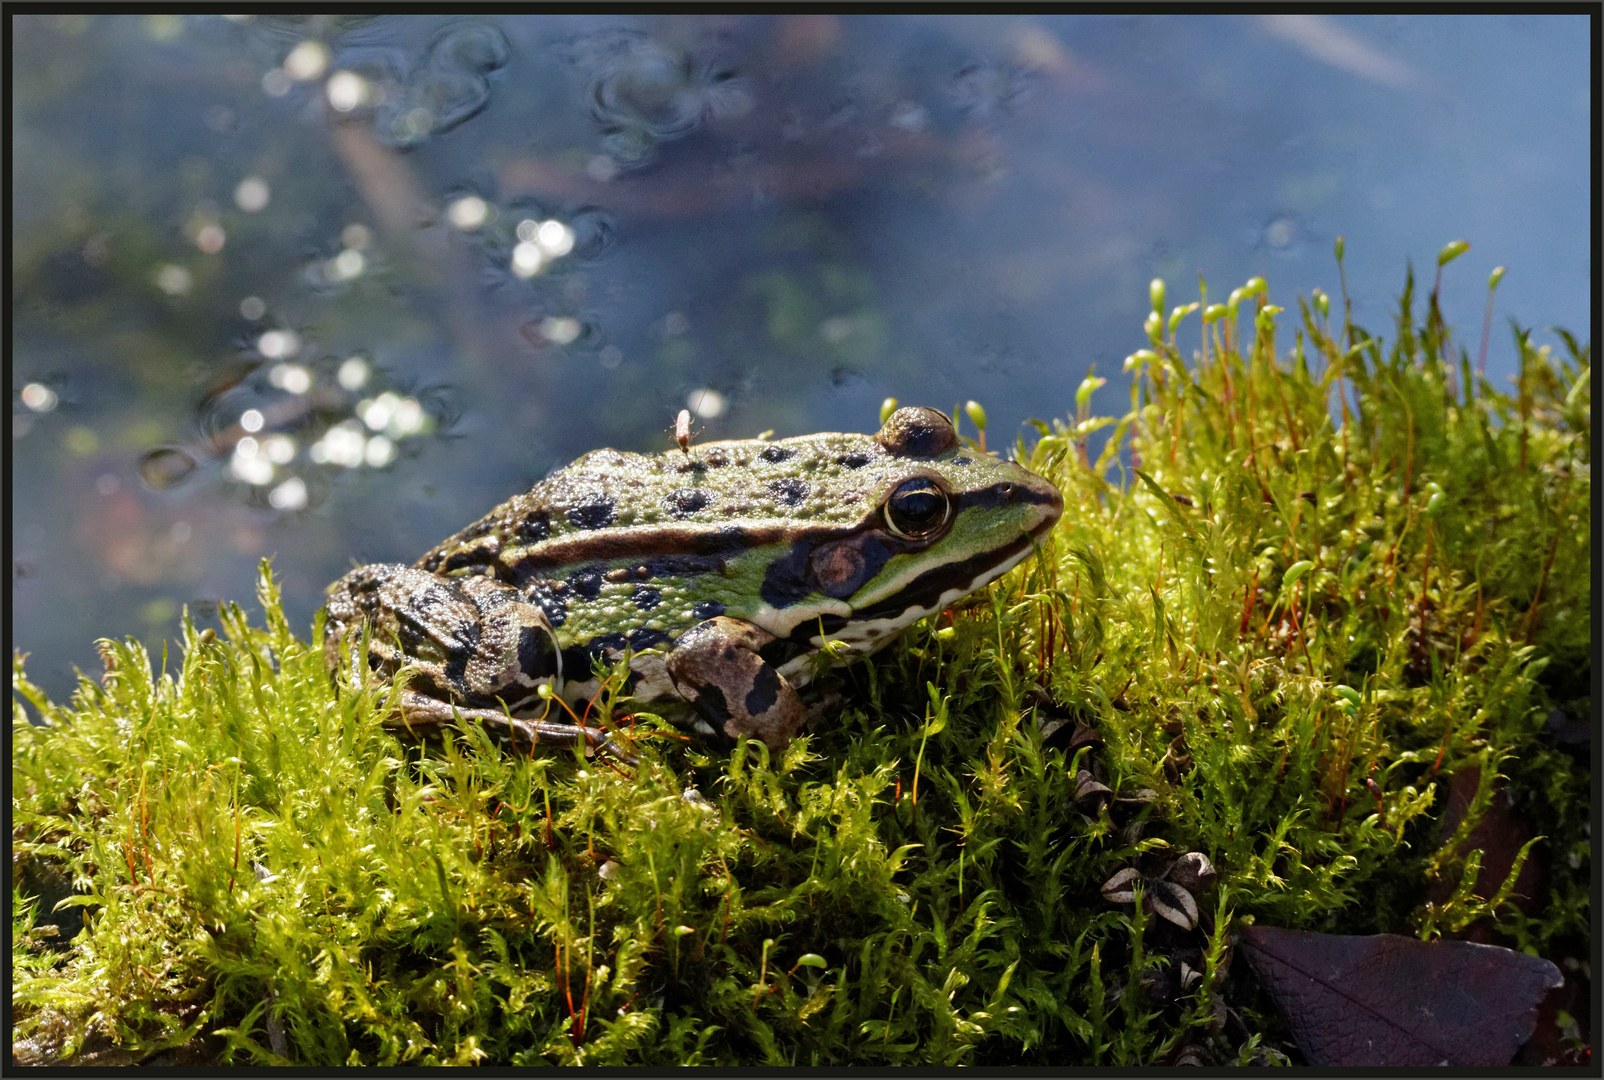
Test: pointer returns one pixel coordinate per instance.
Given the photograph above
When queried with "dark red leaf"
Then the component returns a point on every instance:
(1395, 1001)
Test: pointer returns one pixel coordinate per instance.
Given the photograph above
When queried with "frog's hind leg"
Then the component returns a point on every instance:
(475, 647)
(422, 715)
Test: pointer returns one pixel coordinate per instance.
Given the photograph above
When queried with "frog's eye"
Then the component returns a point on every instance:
(917, 509)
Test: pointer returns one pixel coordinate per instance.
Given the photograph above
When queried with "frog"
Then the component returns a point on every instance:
(729, 575)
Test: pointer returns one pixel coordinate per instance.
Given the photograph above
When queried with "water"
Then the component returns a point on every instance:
(326, 290)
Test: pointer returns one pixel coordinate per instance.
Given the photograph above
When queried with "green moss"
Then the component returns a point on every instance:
(1288, 633)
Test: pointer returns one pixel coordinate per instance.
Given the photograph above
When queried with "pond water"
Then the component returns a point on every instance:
(328, 289)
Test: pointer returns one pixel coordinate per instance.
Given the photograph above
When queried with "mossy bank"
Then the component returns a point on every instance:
(1311, 582)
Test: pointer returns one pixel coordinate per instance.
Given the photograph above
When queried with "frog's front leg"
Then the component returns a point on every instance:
(716, 667)
(479, 650)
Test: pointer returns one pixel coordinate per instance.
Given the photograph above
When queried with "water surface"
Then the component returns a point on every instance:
(327, 289)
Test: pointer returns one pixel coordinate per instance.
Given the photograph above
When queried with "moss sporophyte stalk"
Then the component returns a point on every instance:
(1304, 636)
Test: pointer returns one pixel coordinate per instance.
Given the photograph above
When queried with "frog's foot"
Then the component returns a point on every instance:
(422, 715)
(470, 641)
(474, 648)
(716, 667)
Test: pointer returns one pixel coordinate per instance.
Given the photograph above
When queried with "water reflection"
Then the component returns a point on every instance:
(408, 100)
(327, 288)
(274, 428)
(644, 93)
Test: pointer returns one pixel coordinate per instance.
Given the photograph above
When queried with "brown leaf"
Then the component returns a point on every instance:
(1089, 792)
(1193, 872)
(1121, 888)
(1388, 1000)
(1169, 901)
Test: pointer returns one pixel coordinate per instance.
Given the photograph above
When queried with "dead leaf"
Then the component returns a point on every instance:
(1395, 1001)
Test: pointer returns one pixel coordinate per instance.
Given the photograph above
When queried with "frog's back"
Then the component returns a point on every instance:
(622, 547)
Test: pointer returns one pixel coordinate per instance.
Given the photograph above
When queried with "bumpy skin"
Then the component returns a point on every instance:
(721, 569)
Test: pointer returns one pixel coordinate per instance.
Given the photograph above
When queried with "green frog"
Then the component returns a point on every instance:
(730, 574)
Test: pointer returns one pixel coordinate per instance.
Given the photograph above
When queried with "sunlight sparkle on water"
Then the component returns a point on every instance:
(276, 82)
(276, 344)
(706, 403)
(353, 373)
(249, 465)
(174, 280)
(554, 238)
(560, 329)
(210, 239)
(279, 449)
(340, 445)
(292, 377)
(527, 259)
(290, 495)
(39, 397)
(307, 61)
(252, 194)
(379, 452)
(346, 265)
(347, 90)
(468, 212)
(396, 416)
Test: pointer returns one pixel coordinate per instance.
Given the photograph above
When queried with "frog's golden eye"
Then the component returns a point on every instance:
(917, 509)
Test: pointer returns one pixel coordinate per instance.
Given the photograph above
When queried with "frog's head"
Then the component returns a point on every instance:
(941, 521)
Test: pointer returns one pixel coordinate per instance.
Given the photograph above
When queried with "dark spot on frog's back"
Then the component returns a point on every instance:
(442, 563)
(647, 597)
(534, 527)
(556, 611)
(727, 542)
(587, 584)
(854, 460)
(777, 453)
(683, 502)
(789, 490)
(595, 512)
(644, 637)
(708, 609)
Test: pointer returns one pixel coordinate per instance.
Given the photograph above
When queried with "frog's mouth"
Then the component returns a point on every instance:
(939, 586)
(878, 624)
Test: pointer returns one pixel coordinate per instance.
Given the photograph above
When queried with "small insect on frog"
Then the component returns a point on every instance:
(722, 570)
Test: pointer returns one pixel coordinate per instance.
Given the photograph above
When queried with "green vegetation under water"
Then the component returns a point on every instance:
(1289, 634)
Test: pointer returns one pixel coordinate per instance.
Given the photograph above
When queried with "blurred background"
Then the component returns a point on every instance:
(328, 289)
